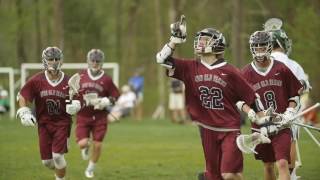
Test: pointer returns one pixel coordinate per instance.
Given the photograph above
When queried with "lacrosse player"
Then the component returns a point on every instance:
(48, 90)
(280, 52)
(279, 89)
(99, 92)
(212, 88)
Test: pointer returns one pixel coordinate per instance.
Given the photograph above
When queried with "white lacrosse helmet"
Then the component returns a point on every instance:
(52, 58)
(95, 56)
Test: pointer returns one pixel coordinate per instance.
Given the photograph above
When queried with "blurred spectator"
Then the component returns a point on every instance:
(311, 117)
(4, 101)
(124, 104)
(177, 101)
(136, 82)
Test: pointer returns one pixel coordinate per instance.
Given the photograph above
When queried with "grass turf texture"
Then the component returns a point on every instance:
(155, 150)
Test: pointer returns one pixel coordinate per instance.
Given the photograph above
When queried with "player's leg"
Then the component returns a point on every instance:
(293, 151)
(83, 136)
(59, 148)
(281, 144)
(231, 159)
(180, 108)
(266, 155)
(269, 171)
(98, 133)
(212, 154)
(45, 144)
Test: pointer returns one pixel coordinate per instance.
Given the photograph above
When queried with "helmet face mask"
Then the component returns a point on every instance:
(209, 40)
(52, 59)
(95, 58)
(260, 45)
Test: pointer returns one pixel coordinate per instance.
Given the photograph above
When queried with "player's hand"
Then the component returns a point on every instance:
(73, 107)
(102, 103)
(256, 119)
(26, 116)
(179, 31)
(90, 98)
(286, 118)
(269, 130)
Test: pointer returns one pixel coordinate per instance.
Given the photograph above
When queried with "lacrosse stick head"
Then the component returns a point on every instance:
(247, 143)
(273, 24)
(74, 85)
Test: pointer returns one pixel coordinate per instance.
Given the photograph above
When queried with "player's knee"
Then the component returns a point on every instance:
(59, 161)
(282, 164)
(97, 144)
(48, 163)
(83, 143)
(231, 176)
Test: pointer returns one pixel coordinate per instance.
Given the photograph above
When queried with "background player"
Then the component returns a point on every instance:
(99, 92)
(280, 52)
(212, 90)
(279, 89)
(48, 90)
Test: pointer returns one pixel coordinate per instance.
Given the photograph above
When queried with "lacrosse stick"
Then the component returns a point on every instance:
(247, 143)
(301, 114)
(272, 24)
(296, 116)
(74, 86)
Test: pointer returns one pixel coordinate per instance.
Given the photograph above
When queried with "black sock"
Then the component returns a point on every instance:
(290, 170)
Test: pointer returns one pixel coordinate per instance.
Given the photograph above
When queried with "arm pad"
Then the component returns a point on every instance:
(164, 57)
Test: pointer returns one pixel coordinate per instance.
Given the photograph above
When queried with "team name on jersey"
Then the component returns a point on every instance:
(92, 85)
(210, 77)
(45, 93)
(265, 83)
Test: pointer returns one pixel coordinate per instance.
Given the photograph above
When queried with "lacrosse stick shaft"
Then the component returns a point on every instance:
(305, 111)
(298, 162)
(306, 126)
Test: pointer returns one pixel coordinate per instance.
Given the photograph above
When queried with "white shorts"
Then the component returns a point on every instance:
(176, 101)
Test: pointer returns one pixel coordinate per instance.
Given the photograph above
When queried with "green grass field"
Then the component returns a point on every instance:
(153, 150)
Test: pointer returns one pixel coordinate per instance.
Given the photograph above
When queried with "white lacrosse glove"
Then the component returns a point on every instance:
(101, 103)
(287, 117)
(26, 116)
(90, 99)
(73, 107)
(257, 120)
(179, 31)
(269, 130)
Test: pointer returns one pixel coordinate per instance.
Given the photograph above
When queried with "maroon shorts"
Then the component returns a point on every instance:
(279, 148)
(86, 125)
(53, 138)
(221, 153)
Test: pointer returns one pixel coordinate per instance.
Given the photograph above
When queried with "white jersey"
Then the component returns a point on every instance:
(295, 68)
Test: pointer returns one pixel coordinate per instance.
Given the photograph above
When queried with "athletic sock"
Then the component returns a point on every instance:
(91, 166)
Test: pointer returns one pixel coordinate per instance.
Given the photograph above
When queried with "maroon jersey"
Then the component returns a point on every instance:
(102, 85)
(275, 86)
(212, 91)
(49, 98)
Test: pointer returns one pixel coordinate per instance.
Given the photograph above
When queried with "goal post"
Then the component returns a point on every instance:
(10, 72)
(34, 66)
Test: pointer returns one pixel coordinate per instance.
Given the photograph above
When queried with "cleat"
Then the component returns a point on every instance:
(201, 176)
(89, 174)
